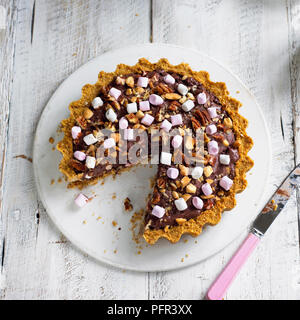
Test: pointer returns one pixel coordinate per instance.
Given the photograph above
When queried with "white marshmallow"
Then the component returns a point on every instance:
(81, 200)
(110, 115)
(169, 79)
(158, 211)
(90, 139)
(132, 107)
(75, 132)
(166, 158)
(90, 162)
(115, 93)
(97, 102)
(180, 204)
(143, 82)
(109, 143)
(197, 172)
(188, 105)
(225, 159)
(182, 89)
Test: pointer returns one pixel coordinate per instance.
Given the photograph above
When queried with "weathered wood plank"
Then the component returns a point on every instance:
(53, 39)
(236, 34)
(8, 20)
(293, 10)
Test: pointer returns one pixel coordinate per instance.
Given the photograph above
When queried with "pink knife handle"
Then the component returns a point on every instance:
(222, 283)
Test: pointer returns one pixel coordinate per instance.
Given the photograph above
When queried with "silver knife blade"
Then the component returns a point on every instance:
(277, 202)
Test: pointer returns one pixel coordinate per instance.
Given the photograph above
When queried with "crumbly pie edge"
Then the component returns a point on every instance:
(244, 142)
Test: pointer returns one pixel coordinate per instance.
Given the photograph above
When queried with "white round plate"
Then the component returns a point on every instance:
(98, 236)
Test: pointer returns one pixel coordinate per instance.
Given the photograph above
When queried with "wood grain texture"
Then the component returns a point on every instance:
(53, 39)
(45, 41)
(237, 34)
(7, 53)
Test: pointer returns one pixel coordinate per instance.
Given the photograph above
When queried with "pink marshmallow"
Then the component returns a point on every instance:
(79, 155)
(144, 105)
(226, 183)
(81, 200)
(177, 141)
(128, 134)
(156, 100)
(142, 82)
(176, 120)
(169, 79)
(158, 212)
(123, 123)
(109, 143)
(211, 129)
(212, 112)
(206, 189)
(75, 132)
(172, 173)
(114, 92)
(166, 125)
(201, 98)
(147, 120)
(213, 147)
(197, 203)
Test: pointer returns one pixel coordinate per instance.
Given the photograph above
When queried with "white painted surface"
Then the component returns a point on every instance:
(257, 40)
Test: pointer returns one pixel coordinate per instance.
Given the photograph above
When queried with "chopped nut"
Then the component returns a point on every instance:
(128, 92)
(132, 118)
(180, 220)
(161, 183)
(207, 197)
(116, 104)
(116, 136)
(140, 114)
(140, 90)
(195, 123)
(183, 99)
(127, 204)
(228, 123)
(175, 195)
(120, 81)
(184, 181)
(130, 82)
(173, 186)
(210, 181)
(172, 96)
(206, 138)
(186, 196)
(181, 131)
(88, 113)
(208, 171)
(82, 122)
(189, 142)
(190, 188)
(226, 143)
(221, 193)
(156, 198)
(183, 170)
(190, 96)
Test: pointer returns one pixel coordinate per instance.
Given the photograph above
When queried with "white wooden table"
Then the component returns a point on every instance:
(42, 42)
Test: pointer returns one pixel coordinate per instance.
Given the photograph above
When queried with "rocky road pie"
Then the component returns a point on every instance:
(178, 110)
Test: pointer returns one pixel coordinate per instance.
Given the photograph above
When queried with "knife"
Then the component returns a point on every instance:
(259, 227)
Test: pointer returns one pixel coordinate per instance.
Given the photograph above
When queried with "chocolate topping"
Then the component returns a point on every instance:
(166, 190)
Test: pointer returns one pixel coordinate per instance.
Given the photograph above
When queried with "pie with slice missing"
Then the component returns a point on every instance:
(118, 120)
